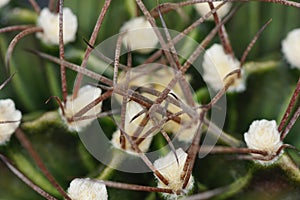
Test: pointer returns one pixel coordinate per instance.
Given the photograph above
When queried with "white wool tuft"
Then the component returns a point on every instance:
(85, 96)
(263, 135)
(217, 65)
(139, 35)
(87, 189)
(291, 48)
(8, 112)
(171, 170)
(49, 22)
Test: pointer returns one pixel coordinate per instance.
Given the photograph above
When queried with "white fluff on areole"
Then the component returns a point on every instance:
(86, 95)
(87, 189)
(8, 113)
(263, 135)
(291, 48)
(49, 22)
(139, 35)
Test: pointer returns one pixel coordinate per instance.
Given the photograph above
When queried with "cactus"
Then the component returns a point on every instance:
(202, 94)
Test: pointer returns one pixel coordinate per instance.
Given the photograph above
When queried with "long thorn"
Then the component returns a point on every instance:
(290, 106)
(165, 50)
(117, 59)
(158, 126)
(15, 28)
(124, 101)
(170, 144)
(173, 99)
(57, 99)
(216, 98)
(51, 5)
(251, 44)
(103, 87)
(186, 65)
(182, 81)
(253, 158)
(286, 146)
(95, 102)
(282, 2)
(145, 102)
(186, 31)
(91, 42)
(141, 125)
(126, 186)
(224, 150)
(62, 53)
(290, 124)
(174, 60)
(28, 146)
(222, 33)
(74, 67)
(9, 121)
(209, 194)
(16, 40)
(163, 8)
(35, 6)
(102, 56)
(6, 81)
(193, 152)
(145, 159)
(99, 115)
(25, 179)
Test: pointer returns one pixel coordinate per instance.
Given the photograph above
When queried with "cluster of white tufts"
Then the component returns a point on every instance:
(159, 79)
(172, 171)
(203, 9)
(3, 3)
(263, 135)
(8, 113)
(86, 95)
(217, 65)
(49, 22)
(291, 48)
(139, 35)
(87, 189)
